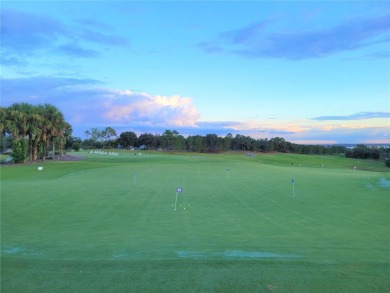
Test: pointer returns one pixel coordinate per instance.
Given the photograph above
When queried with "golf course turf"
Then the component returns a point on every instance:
(107, 224)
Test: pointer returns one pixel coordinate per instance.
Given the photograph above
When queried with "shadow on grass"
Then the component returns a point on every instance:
(20, 275)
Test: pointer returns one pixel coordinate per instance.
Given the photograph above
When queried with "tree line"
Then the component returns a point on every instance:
(373, 152)
(32, 130)
(171, 140)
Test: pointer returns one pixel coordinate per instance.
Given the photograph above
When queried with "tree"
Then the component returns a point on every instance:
(127, 139)
(19, 122)
(56, 131)
(35, 121)
(5, 142)
(213, 143)
(49, 113)
(19, 115)
(37, 124)
(194, 143)
(73, 143)
(167, 139)
(9, 124)
(95, 134)
(65, 133)
(148, 140)
(280, 145)
(3, 120)
(179, 142)
(109, 133)
(227, 144)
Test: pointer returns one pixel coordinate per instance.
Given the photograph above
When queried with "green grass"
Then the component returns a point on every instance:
(94, 226)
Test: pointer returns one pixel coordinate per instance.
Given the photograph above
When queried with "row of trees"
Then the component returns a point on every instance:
(367, 152)
(209, 143)
(33, 130)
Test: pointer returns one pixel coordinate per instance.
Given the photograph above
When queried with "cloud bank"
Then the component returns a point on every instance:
(86, 101)
(86, 104)
(25, 34)
(259, 41)
(356, 116)
(340, 135)
(129, 107)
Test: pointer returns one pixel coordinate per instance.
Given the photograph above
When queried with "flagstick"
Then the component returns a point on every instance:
(294, 188)
(293, 185)
(178, 189)
(176, 200)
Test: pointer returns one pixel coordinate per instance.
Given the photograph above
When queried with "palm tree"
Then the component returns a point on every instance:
(65, 132)
(36, 141)
(3, 120)
(7, 125)
(57, 126)
(18, 123)
(41, 124)
(34, 131)
(47, 112)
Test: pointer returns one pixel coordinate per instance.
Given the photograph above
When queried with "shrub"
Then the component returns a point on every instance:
(19, 151)
(387, 162)
(76, 146)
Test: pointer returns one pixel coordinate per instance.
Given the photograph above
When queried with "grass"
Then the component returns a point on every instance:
(107, 224)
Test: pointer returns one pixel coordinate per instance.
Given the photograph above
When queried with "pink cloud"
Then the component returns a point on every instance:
(127, 106)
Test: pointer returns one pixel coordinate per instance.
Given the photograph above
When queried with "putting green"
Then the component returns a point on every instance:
(235, 213)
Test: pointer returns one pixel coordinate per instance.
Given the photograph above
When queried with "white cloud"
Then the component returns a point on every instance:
(127, 106)
(85, 103)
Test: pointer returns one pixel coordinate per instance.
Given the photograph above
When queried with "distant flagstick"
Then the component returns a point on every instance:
(179, 189)
(293, 185)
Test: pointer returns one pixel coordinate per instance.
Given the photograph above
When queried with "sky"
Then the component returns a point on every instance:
(313, 72)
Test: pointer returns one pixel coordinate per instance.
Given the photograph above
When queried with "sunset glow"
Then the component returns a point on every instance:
(315, 72)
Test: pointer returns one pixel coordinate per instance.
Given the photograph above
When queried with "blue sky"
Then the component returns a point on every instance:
(308, 71)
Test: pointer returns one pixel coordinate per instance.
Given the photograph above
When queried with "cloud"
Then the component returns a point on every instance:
(257, 41)
(87, 102)
(26, 31)
(7, 60)
(341, 135)
(127, 106)
(44, 89)
(374, 55)
(102, 38)
(75, 50)
(90, 22)
(356, 116)
(26, 34)
(235, 127)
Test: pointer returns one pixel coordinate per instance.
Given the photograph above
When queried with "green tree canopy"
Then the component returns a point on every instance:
(39, 125)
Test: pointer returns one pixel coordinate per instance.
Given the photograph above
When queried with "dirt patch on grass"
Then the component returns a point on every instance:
(384, 182)
(67, 157)
(64, 158)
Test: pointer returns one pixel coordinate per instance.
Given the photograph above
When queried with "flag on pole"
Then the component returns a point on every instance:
(292, 180)
(178, 190)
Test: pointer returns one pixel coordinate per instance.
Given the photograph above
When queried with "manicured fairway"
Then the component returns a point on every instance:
(107, 224)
